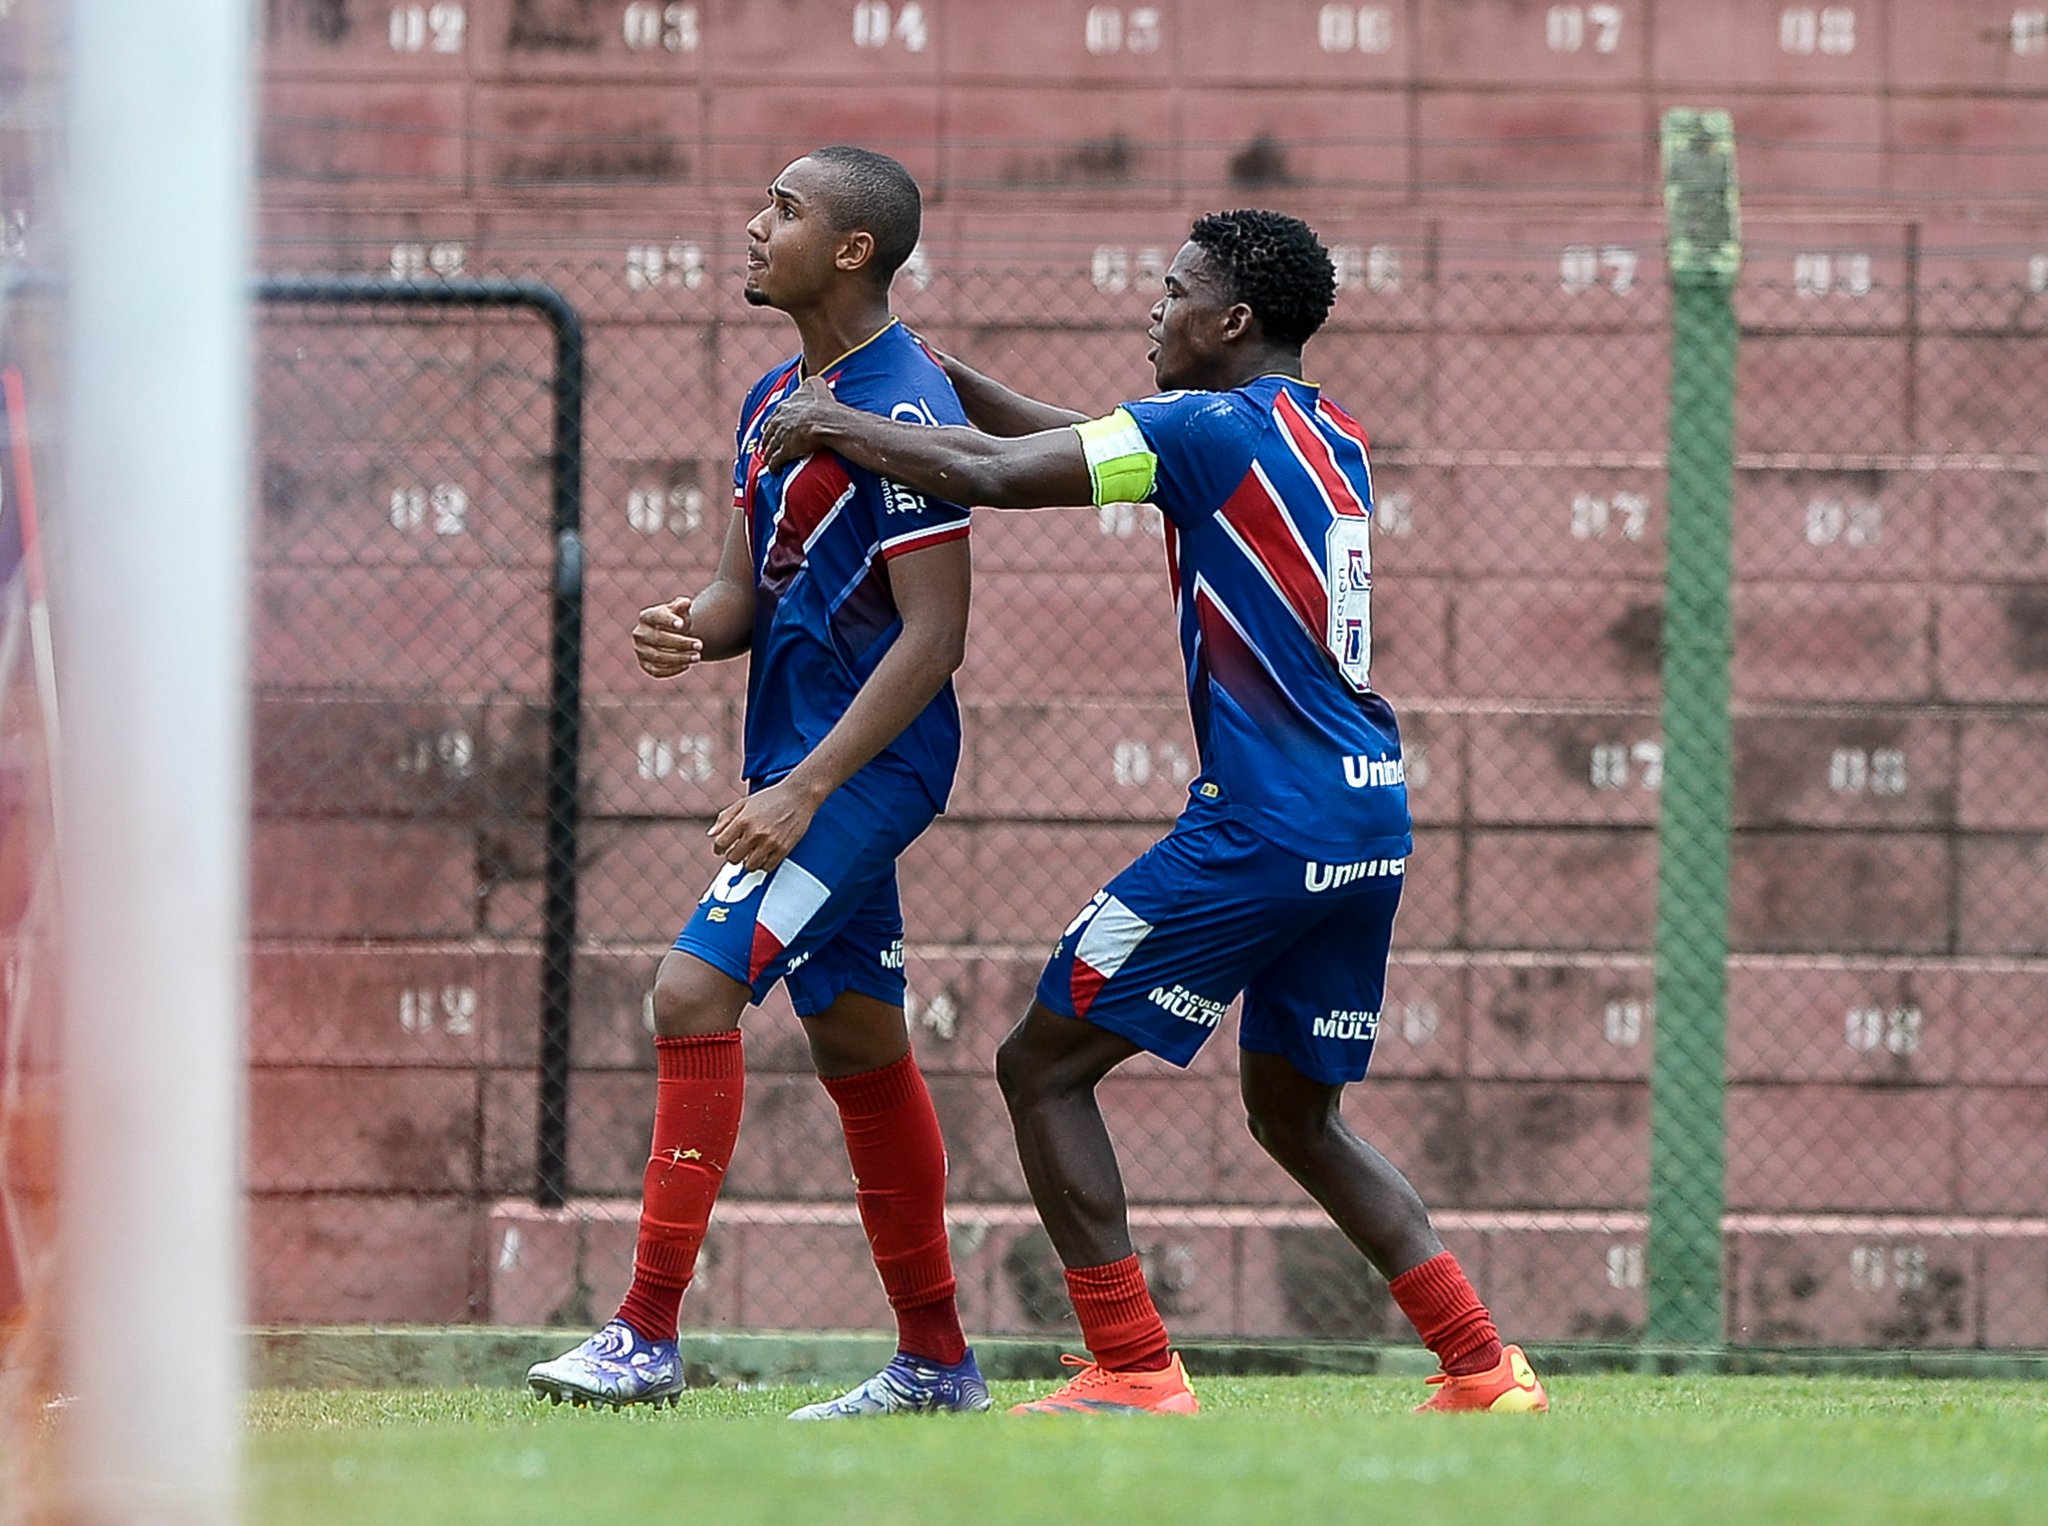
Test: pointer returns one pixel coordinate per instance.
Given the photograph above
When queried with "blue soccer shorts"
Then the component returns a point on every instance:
(1214, 909)
(826, 920)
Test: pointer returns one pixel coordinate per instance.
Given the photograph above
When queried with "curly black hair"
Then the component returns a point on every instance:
(1275, 265)
(871, 191)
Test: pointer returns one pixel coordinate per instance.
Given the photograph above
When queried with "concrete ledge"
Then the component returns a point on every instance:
(463, 1357)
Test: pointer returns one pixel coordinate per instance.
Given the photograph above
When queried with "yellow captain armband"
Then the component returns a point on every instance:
(1120, 464)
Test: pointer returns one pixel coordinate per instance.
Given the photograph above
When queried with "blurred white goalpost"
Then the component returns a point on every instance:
(150, 594)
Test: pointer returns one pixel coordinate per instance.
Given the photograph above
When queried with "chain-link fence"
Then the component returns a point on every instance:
(1887, 1123)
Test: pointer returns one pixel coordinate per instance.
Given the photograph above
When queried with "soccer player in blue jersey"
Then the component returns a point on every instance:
(1281, 877)
(848, 592)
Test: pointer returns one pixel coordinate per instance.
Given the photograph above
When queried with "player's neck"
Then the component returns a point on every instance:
(1267, 362)
(831, 331)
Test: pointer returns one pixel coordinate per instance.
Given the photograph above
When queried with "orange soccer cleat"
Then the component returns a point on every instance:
(1097, 1390)
(1509, 1387)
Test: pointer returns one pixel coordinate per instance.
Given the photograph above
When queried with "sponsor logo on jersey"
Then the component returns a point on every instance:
(892, 956)
(1352, 1027)
(1189, 1006)
(1320, 877)
(1362, 771)
(1355, 568)
(898, 499)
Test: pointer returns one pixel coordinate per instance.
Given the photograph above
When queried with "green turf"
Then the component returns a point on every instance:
(1317, 1450)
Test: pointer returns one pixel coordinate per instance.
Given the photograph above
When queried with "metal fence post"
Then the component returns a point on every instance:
(1688, 1087)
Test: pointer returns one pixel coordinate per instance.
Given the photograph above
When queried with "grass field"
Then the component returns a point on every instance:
(1283, 1449)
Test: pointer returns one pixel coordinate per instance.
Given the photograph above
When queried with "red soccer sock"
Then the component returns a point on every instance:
(1119, 1325)
(696, 1121)
(1447, 1314)
(899, 1178)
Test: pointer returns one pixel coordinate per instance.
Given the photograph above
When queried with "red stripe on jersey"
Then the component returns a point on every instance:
(776, 393)
(923, 540)
(811, 493)
(1262, 525)
(1343, 423)
(1172, 539)
(1315, 450)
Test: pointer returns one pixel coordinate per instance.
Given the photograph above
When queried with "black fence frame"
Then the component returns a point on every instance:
(561, 808)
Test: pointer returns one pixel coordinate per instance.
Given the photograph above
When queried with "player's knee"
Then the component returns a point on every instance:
(1016, 1074)
(686, 1006)
(1027, 1074)
(1286, 1134)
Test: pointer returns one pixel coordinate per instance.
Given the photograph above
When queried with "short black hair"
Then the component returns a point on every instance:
(1275, 265)
(874, 193)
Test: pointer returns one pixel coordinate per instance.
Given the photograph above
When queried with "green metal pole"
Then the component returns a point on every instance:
(1687, 1085)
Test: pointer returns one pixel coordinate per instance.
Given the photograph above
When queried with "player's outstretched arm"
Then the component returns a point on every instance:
(670, 639)
(930, 588)
(1035, 471)
(995, 409)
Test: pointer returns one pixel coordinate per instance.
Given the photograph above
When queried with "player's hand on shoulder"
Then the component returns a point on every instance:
(663, 640)
(790, 433)
(759, 831)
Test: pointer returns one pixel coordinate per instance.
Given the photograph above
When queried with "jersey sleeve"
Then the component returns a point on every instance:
(1186, 452)
(914, 521)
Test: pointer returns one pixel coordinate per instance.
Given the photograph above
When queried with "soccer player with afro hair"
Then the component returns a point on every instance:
(1280, 880)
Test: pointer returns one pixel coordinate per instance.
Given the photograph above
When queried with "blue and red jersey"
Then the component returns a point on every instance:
(1267, 494)
(822, 534)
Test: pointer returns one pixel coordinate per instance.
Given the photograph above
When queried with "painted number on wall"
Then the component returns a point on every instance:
(449, 1009)
(877, 25)
(654, 28)
(1355, 29)
(1804, 30)
(1585, 267)
(1876, 771)
(1620, 765)
(1820, 275)
(1895, 1030)
(442, 509)
(656, 510)
(1596, 518)
(1112, 29)
(1113, 269)
(682, 757)
(1377, 268)
(1583, 28)
(428, 28)
(1855, 522)
(451, 754)
(1884, 1269)
(649, 266)
(1136, 764)
(412, 262)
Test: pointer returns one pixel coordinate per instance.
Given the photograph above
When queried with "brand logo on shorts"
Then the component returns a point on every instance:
(1363, 772)
(735, 882)
(799, 962)
(1189, 1006)
(892, 956)
(1352, 1027)
(1320, 877)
